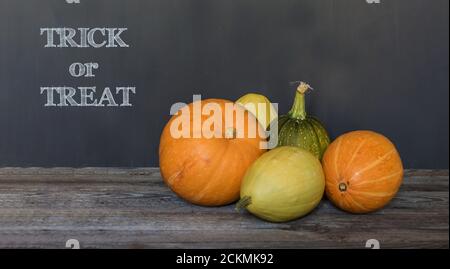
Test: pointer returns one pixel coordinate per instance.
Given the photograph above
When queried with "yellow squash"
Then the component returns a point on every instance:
(260, 106)
(282, 185)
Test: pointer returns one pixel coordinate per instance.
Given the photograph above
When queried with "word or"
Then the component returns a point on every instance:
(87, 70)
(85, 37)
(84, 96)
(188, 259)
(73, 244)
(373, 1)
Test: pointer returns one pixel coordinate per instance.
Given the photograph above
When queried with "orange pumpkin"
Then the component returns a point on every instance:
(208, 169)
(363, 171)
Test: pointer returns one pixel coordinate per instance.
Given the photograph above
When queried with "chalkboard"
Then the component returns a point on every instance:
(380, 66)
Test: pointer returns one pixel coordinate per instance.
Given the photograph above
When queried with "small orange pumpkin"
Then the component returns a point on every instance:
(363, 171)
(207, 170)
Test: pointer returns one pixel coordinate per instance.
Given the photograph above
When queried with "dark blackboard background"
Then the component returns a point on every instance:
(382, 67)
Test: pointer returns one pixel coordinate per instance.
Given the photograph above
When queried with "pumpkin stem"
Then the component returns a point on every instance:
(342, 187)
(243, 203)
(298, 110)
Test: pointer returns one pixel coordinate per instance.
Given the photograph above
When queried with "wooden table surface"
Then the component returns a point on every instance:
(132, 208)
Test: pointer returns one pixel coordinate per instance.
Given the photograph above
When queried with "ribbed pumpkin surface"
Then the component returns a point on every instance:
(363, 171)
(209, 171)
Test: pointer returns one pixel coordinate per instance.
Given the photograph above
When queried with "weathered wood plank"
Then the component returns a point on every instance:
(153, 170)
(132, 208)
(238, 239)
(158, 199)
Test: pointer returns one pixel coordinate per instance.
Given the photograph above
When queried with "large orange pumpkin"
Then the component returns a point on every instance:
(363, 171)
(208, 170)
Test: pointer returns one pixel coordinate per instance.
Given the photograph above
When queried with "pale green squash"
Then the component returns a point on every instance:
(283, 184)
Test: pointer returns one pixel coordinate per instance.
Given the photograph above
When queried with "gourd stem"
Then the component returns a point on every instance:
(298, 110)
(243, 203)
(343, 187)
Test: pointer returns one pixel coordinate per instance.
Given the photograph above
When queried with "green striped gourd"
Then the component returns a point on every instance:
(301, 130)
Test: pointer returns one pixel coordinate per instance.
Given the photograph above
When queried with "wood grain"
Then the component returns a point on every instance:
(132, 208)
